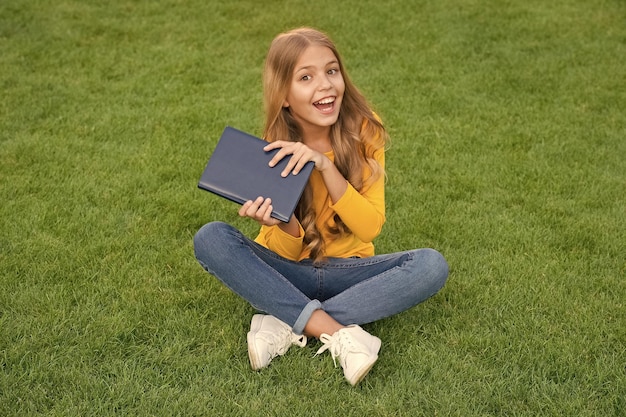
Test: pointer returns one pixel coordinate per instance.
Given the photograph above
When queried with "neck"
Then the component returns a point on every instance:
(317, 138)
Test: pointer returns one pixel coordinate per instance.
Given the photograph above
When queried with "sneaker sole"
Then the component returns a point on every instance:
(255, 326)
(362, 373)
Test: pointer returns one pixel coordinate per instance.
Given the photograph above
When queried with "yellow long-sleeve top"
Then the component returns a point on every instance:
(363, 212)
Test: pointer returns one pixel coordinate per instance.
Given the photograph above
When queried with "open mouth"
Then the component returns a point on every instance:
(325, 105)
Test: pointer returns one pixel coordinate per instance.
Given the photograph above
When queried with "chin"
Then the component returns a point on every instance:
(329, 120)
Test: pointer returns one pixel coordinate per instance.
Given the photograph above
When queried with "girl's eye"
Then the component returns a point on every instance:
(333, 71)
(305, 78)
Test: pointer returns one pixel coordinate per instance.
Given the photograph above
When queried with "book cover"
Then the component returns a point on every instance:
(238, 170)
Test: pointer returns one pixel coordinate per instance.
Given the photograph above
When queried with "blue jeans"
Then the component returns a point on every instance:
(351, 290)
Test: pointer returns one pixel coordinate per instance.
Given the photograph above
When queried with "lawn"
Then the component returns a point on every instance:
(508, 155)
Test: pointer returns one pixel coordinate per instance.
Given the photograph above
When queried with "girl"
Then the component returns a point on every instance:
(317, 274)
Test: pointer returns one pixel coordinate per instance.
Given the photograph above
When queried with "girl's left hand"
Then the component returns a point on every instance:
(301, 154)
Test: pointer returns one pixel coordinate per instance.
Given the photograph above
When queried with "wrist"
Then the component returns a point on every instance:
(325, 164)
(292, 227)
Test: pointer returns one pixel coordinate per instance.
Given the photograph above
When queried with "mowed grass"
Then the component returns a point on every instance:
(508, 155)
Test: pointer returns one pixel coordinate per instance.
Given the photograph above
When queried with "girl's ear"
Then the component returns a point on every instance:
(285, 104)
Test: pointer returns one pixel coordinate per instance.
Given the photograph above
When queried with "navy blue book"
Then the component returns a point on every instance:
(238, 170)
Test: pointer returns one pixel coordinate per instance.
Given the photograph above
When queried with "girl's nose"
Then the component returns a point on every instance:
(325, 83)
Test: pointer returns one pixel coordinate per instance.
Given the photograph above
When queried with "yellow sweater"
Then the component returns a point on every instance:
(363, 213)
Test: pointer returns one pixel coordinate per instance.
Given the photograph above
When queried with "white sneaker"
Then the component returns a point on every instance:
(269, 337)
(357, 351)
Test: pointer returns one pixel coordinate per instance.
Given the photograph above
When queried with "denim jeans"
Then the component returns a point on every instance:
(351, 290)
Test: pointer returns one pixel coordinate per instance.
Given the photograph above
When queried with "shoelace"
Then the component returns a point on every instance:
(283, 340)
(338, 345)
(299, 340)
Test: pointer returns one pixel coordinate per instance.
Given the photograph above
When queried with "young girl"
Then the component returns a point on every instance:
(317, 274)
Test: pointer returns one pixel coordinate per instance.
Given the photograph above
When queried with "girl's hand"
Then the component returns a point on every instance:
(300, 155)
(259, 210)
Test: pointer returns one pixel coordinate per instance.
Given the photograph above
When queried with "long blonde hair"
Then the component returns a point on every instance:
(356, 135)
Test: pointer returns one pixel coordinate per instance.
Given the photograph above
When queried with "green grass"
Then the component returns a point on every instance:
(508, 156)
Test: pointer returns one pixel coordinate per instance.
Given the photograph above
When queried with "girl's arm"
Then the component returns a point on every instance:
(364, 212)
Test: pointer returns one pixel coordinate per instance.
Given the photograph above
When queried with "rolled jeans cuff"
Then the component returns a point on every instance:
(305, 315)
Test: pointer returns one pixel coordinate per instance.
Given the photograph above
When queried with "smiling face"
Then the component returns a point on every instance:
(316, 90)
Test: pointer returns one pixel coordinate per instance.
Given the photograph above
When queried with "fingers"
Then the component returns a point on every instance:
(259, 210)
(281, 145)
(300, 155)
(275, 145)
(284, 149)
(301, 163)
(255, 208)
(291, 164)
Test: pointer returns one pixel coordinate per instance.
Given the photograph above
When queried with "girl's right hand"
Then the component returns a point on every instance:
(259, 210)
